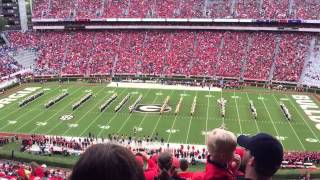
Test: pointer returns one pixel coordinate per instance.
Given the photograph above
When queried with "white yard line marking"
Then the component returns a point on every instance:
(254, 120)
(302, 117)
(114, 116)
(156, 126)
(58, 124)
(235, 100)
(223, 124)
(23, 114)
(58, 111)
(174, 121)
(12, 107)
(93, 107)
(15, 110)
(190, 125)
(146, 113)
(125, 122)
(97, 117)
(290, 125)
(208, 107)
(272, 121)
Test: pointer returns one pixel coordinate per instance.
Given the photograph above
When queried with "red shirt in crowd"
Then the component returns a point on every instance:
(216, 171)
(186, 175)
(151, 171)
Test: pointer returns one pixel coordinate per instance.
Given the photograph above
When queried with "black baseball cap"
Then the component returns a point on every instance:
(267, 151)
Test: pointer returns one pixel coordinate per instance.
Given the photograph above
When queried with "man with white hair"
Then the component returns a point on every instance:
(221, 146)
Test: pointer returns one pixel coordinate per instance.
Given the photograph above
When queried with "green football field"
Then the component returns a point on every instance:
(299, 135)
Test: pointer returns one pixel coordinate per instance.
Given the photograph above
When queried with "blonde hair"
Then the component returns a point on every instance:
(221, 141)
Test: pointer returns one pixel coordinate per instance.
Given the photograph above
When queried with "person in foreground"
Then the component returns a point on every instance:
(263, 156)
(221, 146)
(167, 167)
(107, 161)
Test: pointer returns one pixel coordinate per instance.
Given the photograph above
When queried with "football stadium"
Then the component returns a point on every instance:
(157, 77)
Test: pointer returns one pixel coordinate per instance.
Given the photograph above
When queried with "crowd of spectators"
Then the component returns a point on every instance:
(62, 9)
(17, 170)
(7, 64)
(302, 157)
(88, 8)
(291, 57)
(179, 63)
(145, 151)
(311, 75)
(259, 59)
(50, 141)
(4, 141)
(188, 53)
(276, 9)
(307, 9)
(206, 52)
(223, 160)
(271, 9)
(232, 53)
(149, 145)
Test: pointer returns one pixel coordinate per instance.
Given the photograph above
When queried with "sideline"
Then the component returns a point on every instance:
(162, 86)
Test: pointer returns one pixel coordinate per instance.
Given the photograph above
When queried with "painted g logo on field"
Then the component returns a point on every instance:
(151, 108)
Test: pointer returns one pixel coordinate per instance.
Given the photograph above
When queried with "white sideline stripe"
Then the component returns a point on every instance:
(125, 122)
(190, 125)
(160, 116)
(314, 134)
(255, 120)
(23, 114)
(272, 122)
(114, 116)
(161, 86)
(235, 100)
(295, 133)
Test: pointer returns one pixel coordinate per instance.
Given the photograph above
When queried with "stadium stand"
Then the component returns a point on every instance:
(7, 64)
(169, 53)
(149, 145)
(207, 48)
(248, 9)
(260, 56)
(88, 8)
(311, 74)
(147, 148)
(254, 55)
(14, 170)
(292, 53)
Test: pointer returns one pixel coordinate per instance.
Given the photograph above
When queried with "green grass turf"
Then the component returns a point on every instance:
(189, 129)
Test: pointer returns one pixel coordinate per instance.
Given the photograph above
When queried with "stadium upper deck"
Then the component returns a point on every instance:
(247, 9)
